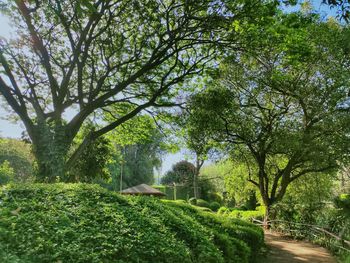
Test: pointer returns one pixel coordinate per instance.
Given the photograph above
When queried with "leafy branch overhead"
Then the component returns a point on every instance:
(83, 57)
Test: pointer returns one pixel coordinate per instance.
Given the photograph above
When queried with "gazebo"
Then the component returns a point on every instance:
(142, 189)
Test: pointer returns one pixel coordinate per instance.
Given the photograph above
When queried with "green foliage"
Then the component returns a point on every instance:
(192, 201)
(6, 173)
(251, 201)
(343, 201)
(273, 109)
(92, 163)
(213, 197)
(235, 231)
(19, 155)
(231, 176)
(85, 223)
(214, 173)
(135, 158)
(309, 203)
(180, 173)
(203, 203)
(223, 210)
(118, 57)
(247, 215)
(214, 206)
(297, 219)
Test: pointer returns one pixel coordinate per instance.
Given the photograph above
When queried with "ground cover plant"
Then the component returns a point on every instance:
(233, 229)
(86, 223)
(247, 215)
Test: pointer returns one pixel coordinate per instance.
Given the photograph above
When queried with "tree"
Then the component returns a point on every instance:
(138, 150)
(139, 161)
(19, 156)
(275, 110)
(92, 164)
(343, 7)
(180, 173)
(82, 57)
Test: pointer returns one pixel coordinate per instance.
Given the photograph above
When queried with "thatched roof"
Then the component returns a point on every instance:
(142, 189)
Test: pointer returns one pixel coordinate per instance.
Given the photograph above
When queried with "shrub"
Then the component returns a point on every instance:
(343, 202)
(192, 201)
(85, 223)
(6, 173)
(205, 209)
(331, 217)
(214, 197)
(202, 203)
(214, 206)
(249, 215)
(236, 230)
(223, 210)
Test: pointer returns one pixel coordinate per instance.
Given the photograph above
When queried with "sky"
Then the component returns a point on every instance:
(10, 129)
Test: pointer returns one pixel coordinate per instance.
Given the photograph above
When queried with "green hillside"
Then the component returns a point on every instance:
(86, 223)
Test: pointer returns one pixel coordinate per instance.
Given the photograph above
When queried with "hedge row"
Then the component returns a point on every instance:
(248, 238)
(85, 223)
(246, 215)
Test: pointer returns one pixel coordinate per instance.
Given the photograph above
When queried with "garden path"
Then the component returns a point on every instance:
(285, 250)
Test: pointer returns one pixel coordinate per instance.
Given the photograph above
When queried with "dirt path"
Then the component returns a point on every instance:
(284, 250)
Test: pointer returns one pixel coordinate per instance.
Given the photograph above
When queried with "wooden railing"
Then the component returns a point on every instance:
(306, 228)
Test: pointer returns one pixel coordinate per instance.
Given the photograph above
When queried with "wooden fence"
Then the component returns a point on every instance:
(306, 229)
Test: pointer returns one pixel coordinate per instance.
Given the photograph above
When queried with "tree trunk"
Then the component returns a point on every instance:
(195, 185)
(199, 164)
(51, 148)
(266, 223)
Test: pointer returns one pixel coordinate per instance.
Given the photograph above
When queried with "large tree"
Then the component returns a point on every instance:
(275, 110)
(76, 57)
(181, 173)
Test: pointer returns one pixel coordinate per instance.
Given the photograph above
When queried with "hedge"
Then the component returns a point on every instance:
(235, 229)
(247, 215)
(86, 223)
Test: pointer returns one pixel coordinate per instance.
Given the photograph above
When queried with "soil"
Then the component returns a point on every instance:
(282, 249)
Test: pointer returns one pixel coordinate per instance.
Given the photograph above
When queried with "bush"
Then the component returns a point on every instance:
(202, 203)
(249, 215)
(214, 197)
(85, 223)
(214, 206)
(6, 173)
(235, 229)
(192, 201)
(223, 210)
(331, 217)
(343, 201)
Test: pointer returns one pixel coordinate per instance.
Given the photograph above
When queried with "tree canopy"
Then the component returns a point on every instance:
(275, 109)
(82, 58)
(180, 173)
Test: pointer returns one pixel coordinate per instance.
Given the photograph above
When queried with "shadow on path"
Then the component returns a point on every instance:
(284, 250)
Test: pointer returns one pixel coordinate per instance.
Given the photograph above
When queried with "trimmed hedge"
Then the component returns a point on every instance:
(202, 203)
(234, 229)
(86, 223)
(192, 201)
(214, 206)
(247, 215)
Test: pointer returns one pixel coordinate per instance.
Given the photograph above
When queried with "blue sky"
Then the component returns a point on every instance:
(9, 129)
